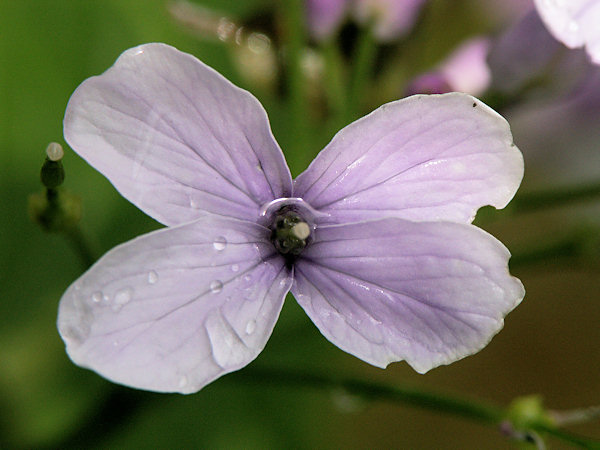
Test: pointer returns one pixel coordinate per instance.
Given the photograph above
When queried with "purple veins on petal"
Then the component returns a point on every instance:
(390, 290)
(374, 238)
(180, 309)
(176, 138)
(426, 157)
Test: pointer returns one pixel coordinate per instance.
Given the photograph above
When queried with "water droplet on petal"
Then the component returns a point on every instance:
(573, 27)
(152, 277)
(122, 297)
(183, 381)
(194, 204)
(235, 268)
(216, 286)
(220, 243)
(97, 297)
(250, 326)
(75, 335)
(247, 278)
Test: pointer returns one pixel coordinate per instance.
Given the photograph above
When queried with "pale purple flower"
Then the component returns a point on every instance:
(464, 70)
(390, 19)
(323, 17)
(374, 239)
(542, 61)
(576, 23)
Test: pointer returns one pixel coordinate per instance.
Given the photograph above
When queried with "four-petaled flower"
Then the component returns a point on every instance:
(374, 239)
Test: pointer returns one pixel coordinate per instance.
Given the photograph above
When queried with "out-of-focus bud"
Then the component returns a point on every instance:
(324, 17)
(525, 412)
(53, 173)
(253, 51)
(464, 70)
(391, 19)
(203, 22)
(256, 58)
(429, 83)
(54, 209)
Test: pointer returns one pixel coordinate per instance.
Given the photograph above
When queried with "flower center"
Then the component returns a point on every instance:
(290, 232)
(291, 222)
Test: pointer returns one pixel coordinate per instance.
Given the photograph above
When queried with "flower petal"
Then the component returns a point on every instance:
(176, 138)
(573, 22)
(426, 157)
(388, 290)
(172, 310)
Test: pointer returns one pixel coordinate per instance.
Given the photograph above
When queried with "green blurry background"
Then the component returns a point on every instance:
(550, 344)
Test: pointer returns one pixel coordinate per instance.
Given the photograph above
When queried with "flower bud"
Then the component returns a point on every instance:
(53, 173)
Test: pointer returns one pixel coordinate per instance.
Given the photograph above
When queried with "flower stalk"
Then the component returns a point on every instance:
(59, 211)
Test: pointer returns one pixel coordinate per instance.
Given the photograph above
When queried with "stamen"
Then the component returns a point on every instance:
(301, 230)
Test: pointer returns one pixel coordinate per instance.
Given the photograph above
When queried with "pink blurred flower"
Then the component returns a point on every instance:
(464, 70)
(324, 17)
(391, 19)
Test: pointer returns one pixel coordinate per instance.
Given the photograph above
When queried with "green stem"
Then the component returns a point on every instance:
(336, 85)
(119, 403)
(569, 247)
(373, 391)
(294, 39)
(81, 246)
(411, 396)
(549, 199)
(362, 67)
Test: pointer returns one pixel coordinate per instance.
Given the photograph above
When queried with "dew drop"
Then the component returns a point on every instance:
(122, 297)
(75, 335)
(97, 297)
(194, 204)
(573, 27)
(247, 278)
(152, 277)
(220, 243)
(250, 326)
(183, 381)
(216, 286)
(235, 268)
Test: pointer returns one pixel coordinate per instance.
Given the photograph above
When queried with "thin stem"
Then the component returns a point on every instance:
(336, 83)
(436, 402)
(570, 246)
(373, 391)
(362, 65)
(294, 38)
(549, 199)
(120, 403)
(81, 246)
